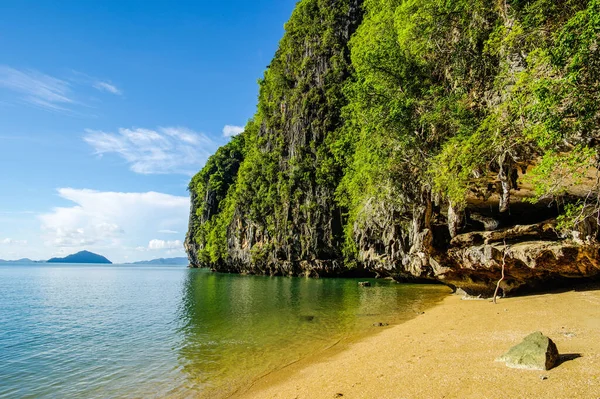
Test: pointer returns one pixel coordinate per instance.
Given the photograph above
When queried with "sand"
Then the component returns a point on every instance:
(450, 351)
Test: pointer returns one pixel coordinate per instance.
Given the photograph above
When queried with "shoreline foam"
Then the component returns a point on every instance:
(449, 352)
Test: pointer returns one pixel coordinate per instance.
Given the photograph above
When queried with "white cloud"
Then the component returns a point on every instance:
(162, 244)
(230, 130)
(165, 150)
(108, 87)
(113, 221)
(10, 241)
(84, 79)
(168, 231)
(37, 89)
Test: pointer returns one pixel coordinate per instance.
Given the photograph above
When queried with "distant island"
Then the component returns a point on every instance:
(81, 257)
(23, 260)
(163, 261)
(90, 257)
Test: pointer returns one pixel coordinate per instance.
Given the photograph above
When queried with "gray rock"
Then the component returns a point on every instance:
(364, 283)
(535, 256)
(536, 352)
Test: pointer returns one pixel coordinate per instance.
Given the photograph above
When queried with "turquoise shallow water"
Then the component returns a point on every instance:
(81, 331)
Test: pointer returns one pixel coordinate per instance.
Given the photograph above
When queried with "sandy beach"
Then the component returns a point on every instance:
(450, 351)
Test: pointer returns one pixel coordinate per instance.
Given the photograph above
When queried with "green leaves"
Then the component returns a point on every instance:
(557, 172)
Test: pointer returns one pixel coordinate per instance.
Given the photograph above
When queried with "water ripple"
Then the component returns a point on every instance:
(145, 332)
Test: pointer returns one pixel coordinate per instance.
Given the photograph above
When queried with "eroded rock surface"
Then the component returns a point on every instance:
(531, 260)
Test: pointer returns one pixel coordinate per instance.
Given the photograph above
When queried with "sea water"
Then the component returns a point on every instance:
(121, 331)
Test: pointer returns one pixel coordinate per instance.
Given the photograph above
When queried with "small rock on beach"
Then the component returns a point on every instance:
(536, 352)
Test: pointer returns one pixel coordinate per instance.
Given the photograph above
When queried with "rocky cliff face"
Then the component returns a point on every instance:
(424, 142)
(285, 220)
(534, 255)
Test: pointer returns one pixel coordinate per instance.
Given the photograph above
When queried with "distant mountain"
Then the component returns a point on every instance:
(24, 260)
(81, 257)
(163, 261)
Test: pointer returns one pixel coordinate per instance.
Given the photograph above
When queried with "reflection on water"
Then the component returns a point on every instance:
(239, 327)
(132, 332)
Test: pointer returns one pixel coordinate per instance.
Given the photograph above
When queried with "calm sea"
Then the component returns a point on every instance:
(81, 331)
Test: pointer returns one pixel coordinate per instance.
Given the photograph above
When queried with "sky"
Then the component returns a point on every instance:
(107, 108)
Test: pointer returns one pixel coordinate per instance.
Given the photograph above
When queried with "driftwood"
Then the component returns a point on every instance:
(501, 278)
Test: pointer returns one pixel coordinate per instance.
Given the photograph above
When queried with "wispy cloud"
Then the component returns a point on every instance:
(110, 219)
(230, 130)
(108, 87)
(50, 93)
(10, 241)
(161, 151)
(168, 232)
(37, 89)
(162, 244)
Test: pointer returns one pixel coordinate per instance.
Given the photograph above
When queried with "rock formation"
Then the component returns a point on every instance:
(424, 142)
(536, 352)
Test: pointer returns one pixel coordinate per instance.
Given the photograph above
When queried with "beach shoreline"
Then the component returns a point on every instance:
(450, 351)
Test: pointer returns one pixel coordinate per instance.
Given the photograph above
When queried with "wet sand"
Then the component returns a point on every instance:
(450, 351)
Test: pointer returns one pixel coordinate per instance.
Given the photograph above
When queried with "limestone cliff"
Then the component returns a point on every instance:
(428, 140)
(282, 217)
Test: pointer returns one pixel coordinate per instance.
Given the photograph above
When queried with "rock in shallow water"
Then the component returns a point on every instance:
(536, 352)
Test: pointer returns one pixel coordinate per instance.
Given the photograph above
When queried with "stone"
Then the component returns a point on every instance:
(380, 324)
(364, 283)
(536, 352)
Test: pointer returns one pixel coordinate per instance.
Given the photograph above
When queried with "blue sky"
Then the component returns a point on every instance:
(108, 107)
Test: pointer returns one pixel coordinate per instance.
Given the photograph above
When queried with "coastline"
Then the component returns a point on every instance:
(449, 352)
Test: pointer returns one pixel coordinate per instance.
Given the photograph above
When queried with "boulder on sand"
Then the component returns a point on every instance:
(536, 352)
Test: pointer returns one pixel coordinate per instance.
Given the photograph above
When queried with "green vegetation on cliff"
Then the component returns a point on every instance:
(379, 120)
(281, 203)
